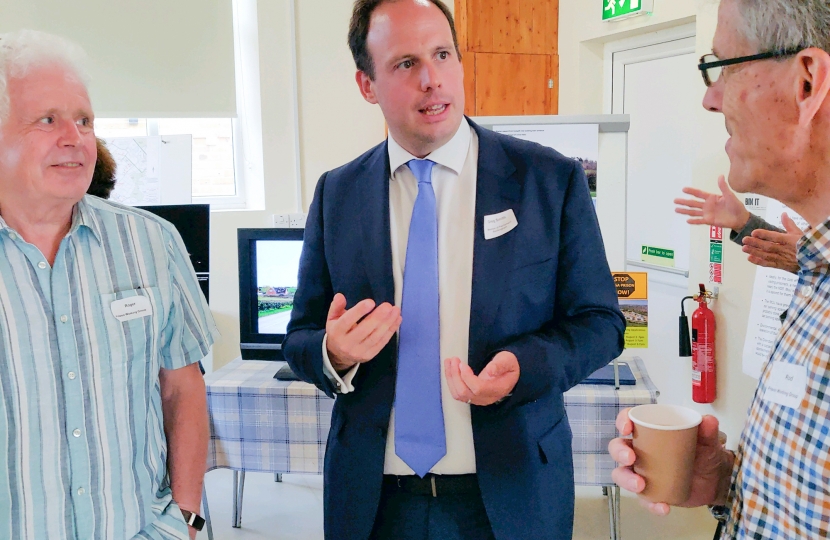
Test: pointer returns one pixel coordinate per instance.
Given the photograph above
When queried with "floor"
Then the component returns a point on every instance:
(293, 510)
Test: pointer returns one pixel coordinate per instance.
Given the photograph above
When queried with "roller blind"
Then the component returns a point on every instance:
(149, 58)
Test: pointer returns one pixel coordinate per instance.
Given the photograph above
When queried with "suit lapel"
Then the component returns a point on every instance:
(497, 190)
(373, 183)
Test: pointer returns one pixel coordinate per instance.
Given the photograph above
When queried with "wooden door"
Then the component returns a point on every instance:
(515, 84)
(511, 26)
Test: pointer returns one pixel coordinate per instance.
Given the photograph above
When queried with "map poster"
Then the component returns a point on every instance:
(137, 172)
(632, 292)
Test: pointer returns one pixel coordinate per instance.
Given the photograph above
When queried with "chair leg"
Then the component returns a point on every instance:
(277, 477)
(208, 524)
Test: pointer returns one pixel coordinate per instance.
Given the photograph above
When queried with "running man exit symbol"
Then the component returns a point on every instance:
(617, 9)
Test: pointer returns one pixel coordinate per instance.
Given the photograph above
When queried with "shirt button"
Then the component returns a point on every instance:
(71, 375)
(41, 265)
(64, 318)
(806, 291)
(77, 433)
(81, 491)
(12, 236)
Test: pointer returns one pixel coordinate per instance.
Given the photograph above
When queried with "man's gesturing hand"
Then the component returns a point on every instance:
(775, 249)
(496, 380)
(358, 335)
(724, 210)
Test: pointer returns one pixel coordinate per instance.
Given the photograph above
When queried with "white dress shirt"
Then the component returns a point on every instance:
(454, 182)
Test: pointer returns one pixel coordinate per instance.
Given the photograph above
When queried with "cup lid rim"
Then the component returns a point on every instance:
(698, 418)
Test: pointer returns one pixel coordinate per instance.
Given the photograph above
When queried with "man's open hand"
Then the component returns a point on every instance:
(358, 335)
(774, 249)
(495, 382)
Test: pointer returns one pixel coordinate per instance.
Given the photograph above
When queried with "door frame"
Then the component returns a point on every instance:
(675, 33)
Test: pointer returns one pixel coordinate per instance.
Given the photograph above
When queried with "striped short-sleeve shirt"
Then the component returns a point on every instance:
(781, 480)
(82, 445)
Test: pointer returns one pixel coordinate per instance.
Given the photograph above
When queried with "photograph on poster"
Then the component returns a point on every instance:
(576, 141)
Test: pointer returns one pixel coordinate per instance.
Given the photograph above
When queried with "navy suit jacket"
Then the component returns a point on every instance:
(542, 291)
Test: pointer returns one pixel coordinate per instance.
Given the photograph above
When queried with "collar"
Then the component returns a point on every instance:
(813, 249)
(82, 216)
(452, 155)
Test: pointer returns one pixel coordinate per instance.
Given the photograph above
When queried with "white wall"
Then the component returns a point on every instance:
(582, 36)
(336, 126)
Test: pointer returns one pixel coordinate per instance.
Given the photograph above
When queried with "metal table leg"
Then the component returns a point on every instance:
(238, 490)
(207, 514)
(617, 514)
(612, 522)
(277, 477)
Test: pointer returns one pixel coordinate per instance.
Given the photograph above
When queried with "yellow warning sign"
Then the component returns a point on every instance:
(632, 292)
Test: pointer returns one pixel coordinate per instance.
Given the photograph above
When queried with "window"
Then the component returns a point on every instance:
(227, 152)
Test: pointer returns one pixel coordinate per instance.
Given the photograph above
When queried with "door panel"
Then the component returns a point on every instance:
(513, 26)
(513, 84)
(468, 61)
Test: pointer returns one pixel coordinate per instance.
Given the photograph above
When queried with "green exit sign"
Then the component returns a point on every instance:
(615, 10)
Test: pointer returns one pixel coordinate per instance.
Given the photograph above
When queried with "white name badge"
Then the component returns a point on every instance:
(499, 224)
(786, 385)
(131, 308)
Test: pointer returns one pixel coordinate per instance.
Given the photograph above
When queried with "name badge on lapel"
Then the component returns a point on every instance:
(499, 224)
(134, 307)
(786, 385)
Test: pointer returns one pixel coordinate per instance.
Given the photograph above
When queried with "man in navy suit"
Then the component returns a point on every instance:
(453, 284)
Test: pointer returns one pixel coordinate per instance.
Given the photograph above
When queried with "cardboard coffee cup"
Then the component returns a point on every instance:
(665, 437)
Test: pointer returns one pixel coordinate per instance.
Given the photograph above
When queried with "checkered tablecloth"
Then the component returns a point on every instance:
(592, 412)
(258, 423)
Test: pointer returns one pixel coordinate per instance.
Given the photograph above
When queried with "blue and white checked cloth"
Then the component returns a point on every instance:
(592, 412)
(258, 423)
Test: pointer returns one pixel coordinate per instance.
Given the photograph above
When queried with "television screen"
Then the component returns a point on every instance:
(276, 280)
(269, 261)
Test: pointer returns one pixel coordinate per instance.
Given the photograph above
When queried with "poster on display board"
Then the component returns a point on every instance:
(771, 296)
(632, 292)
(576, 141)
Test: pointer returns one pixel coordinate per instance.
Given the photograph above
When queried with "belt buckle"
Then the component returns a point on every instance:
(432, 483)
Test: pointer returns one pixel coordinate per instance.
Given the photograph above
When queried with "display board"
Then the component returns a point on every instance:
(610, 165)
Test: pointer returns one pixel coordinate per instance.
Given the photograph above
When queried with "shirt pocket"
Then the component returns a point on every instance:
(133, 343)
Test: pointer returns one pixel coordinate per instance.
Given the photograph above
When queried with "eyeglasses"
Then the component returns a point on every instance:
(711, 67)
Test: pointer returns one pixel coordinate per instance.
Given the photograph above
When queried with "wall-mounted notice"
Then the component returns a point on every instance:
(771, 296)
(658, 256)
(632, 292)
(577, 141)
(715, 254)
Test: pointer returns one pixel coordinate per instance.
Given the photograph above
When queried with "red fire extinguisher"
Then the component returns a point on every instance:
(702, 346)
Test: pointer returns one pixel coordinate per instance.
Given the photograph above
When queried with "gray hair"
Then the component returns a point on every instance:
(23, 50)
(774, 25)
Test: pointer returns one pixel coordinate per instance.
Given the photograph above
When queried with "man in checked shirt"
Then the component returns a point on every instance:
(770, 78)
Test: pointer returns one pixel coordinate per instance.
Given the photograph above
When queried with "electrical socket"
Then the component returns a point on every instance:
(280, 221)
(296, 221)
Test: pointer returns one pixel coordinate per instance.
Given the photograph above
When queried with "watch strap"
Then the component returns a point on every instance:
(193, 519)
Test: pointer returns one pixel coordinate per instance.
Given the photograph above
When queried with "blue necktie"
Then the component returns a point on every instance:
(420, 440)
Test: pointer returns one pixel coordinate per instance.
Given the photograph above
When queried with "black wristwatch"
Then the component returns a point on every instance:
(194, 520)
(719, 512)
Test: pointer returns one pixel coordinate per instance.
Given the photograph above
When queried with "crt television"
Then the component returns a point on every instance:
(269, 261)
(193, 223)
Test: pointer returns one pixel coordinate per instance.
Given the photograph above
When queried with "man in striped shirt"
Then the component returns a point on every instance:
(770, 77)
(103, 420)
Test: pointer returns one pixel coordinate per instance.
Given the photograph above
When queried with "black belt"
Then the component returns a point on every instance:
(432, 484)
